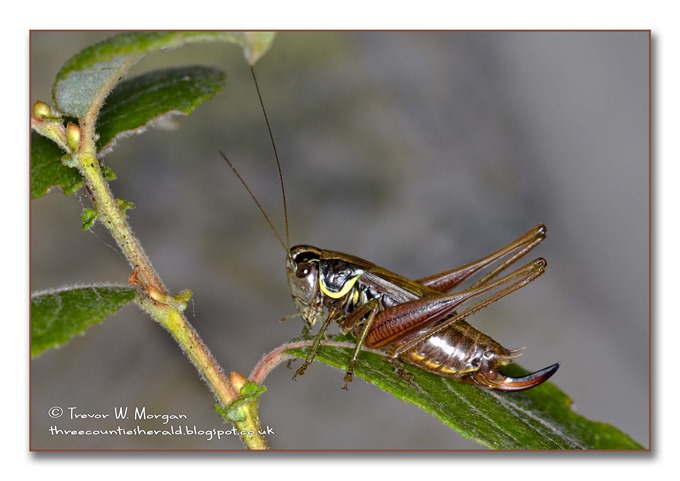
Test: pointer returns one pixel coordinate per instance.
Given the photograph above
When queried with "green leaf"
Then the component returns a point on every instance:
(125, 205)
(536, 419)
(48, 171)
(88, 218)
(248, 396)
(82, 79)
(136, 102)
(57, 316)
(256, 45)
(130, 107)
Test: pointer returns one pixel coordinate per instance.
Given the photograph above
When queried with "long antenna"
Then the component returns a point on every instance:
(257, 203)
(276, 156)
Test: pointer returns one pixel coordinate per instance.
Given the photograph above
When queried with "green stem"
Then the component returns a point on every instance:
(154, 298)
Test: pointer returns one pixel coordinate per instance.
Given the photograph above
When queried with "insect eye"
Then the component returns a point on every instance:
(303, 269)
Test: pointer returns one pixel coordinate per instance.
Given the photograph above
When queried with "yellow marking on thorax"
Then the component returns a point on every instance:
(345, 289)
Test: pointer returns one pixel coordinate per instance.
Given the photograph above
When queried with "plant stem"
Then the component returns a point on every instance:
(154, 298)
(189, 340)
(280, 354)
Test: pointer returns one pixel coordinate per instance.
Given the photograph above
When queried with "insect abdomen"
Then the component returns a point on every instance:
(458, 350)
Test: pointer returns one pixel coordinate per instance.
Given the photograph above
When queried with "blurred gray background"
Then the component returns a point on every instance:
(419, 151)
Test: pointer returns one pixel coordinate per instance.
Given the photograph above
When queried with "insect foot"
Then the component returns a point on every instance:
(348, 379)
(299, 372)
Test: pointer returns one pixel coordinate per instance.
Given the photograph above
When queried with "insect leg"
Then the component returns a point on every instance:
(315, 345)
(393, 323)
(373, 310)
(445, 281)
(305, 332)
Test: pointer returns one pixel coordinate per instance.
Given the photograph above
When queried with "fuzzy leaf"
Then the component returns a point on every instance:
(136, 102)
(57, 316)
(85, 75)
(536, 419)
(48, 171)
(130, 107)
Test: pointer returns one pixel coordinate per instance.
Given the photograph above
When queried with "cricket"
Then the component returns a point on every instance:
(420, 322)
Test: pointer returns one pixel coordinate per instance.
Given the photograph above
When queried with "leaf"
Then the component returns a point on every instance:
(82, 79)
(88, 218)
(48, 171)
(57, 316)
(129, 108)
(536, 419)
(136, 102)
(257, 44)
(247, 400)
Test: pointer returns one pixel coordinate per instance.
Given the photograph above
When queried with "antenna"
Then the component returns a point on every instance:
(259, 206)
(276, 156)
